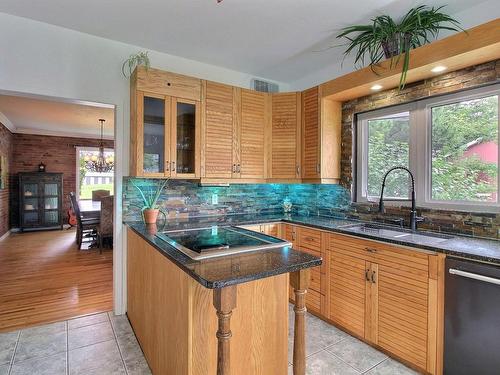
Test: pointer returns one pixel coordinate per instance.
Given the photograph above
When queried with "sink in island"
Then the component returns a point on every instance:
(222, 315)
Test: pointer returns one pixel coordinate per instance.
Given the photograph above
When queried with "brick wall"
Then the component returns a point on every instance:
(486, 225)
(57, 153)
(6, 147)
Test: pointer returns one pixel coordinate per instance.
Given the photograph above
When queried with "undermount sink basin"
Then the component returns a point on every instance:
(396, 233)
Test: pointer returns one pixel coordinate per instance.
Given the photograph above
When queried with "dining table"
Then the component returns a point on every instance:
(89, 208)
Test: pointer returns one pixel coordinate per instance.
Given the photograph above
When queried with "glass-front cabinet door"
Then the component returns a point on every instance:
(154, 126)
(185, 138)
(51, 203)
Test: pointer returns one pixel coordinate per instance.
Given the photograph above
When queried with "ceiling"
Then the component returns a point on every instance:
(53, 117)
(282, 40)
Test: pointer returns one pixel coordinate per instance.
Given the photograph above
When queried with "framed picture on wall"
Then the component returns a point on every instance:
(3, 171)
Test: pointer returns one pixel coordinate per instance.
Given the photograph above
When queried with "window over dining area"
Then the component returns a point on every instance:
(88, 179)
(450, 143)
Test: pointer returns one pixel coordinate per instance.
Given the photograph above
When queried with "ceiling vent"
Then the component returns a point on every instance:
(264, 86)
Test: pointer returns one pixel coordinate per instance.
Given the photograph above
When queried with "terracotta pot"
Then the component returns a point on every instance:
(152, 229)
(150, 215)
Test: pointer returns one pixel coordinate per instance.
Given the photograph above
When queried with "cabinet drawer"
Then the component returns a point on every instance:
(166, 83)
(310, 239)
(406, 260)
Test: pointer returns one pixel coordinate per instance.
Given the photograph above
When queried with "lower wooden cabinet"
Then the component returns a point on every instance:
(387, 295)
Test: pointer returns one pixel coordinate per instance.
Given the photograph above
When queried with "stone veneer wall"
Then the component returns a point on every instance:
(188, 199)
(478, 224)
(6, 149)
(57, 153)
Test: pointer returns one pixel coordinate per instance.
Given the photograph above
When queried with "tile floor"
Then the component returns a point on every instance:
(104, 344)
(100, 344)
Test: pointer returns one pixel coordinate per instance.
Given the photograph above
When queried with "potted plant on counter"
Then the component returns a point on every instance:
(150, 195)
(385, 38)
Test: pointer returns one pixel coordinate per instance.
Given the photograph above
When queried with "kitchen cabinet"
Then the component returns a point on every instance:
(284, 158)
(218, 130)
(321, 128)
(271, 229)
(40, 200)
(252, 142)
(387, 295)
(165, 136)
(234, 131)
(310, 241)
(165, 118)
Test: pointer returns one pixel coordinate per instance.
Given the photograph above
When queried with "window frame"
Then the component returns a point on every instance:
(77, 166)
(420, 163)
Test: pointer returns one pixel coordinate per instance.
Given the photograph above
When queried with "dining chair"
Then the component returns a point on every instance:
(97, 195)
(86, 228)
(105, 229)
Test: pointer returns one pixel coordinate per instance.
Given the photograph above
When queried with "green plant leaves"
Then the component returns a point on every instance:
(418, 27)
(140, 58)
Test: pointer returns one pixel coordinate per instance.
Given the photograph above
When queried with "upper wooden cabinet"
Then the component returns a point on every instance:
(165, 136)
(233, 133)
(184, 127)
(284, 157)
(321, 127)
(218, 136)
(255, 117)
(166, 83)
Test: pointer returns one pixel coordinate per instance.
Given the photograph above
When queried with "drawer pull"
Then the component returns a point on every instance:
(370, 249)
(374, 280)
(309, 239)
(367, 277)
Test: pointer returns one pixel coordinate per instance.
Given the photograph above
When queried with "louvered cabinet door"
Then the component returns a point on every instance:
(285, 144)
(347, 291)
(311, 133)
(218, 130)
(402, 293)
(255, 111)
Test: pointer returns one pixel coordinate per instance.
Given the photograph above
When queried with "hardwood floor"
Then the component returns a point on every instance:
(45, 278)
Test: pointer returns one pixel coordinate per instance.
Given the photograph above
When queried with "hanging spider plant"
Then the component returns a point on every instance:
(140, 58)
(386, 39)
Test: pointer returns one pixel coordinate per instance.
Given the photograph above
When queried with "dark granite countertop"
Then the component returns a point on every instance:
(219, 272)
(473, 248)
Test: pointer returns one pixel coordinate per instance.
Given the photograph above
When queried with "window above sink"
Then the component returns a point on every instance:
(450, 143)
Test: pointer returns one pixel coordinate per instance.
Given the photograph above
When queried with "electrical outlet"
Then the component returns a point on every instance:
(215, 199)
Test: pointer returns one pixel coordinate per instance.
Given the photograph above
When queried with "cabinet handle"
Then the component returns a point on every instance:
(238, 168)
(310, 239)
(293, 236)
(234, 168)
(298, 170)
(367, 275)
(370, 249)
(374, 280)
(168, 166)
(173, 166)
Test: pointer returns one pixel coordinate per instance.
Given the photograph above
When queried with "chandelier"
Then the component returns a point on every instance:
(100, 163)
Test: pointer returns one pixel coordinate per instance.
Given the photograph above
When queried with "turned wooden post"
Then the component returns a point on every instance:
(224, 303)
(300, 282)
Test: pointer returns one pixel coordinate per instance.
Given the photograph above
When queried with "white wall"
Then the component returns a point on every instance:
(482, 12)
(41, 59)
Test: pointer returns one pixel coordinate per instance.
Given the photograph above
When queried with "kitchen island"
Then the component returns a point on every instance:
(225, 315)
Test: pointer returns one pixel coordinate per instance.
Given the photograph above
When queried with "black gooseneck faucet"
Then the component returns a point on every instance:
(413, 213)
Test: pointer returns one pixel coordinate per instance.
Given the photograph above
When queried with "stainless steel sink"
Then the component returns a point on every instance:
(392, 232)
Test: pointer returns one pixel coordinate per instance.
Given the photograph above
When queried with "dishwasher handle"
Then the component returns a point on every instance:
(475, 276)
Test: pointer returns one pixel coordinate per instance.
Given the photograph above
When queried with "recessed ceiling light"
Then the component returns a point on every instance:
(438, 69)
(376, 87)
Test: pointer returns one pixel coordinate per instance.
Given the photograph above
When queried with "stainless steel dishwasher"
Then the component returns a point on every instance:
(472, 318)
